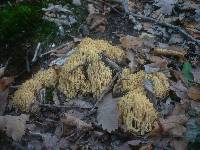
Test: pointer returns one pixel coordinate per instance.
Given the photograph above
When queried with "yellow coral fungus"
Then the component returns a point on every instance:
(130, 81)
(99, 46)
(99, 76)
(95, 76)
(160, 84)
(74, 82)
(137, 113)
(26, 94)
(83, 73)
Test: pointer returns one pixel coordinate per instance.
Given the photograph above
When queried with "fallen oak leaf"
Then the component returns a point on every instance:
(97, 22)
(131, 42)
(194, 32)
(172, 121)
(14, 126)
(4, 90)
(107, 114)
(3, 100)
(180, 144)
(179, 89)
(71, 121)
(158, 62)
(194, 93)
(133, 62)
(166, 52)
(166, 7)
(5, 82)
(196, 74)
(173, 125)
(2, 70)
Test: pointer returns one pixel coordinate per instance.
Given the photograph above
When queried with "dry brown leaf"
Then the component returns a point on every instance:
(133, 62)
(2, 70)
(158, 62)
(3, 100)
(166, 52)
(194, 93)
(173, 126)
(107, 114)
(76, 2)
(5, 82)
(173, 123)
(194, 32)
(64, 50)
(130, 42)
(181, 108)
(179, 144)
(14, 126)
(97, 22)
(71, 121)
(179, 76)
(196, 73)
(50, 141)
(179, 89)
(92, 9)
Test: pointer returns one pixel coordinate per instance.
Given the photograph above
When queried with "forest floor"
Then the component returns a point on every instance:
(157, 36)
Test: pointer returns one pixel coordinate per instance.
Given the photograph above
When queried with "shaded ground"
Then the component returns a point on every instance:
(47, 120)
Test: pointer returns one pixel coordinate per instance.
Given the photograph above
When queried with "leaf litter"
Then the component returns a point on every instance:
(148, 47)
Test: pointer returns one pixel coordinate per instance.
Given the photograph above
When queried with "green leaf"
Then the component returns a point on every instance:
(187, 68)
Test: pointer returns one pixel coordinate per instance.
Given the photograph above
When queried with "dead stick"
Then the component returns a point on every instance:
(113, 65)
(61, 106)
(109, 87)
(125, 5)
(110, 63)
(55, 49)
(36, 53)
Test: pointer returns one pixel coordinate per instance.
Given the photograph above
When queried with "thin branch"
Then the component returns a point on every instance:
(110, 63)
(113, 65)
(62, 106)
(28, 68)
(177, 28)
(55, 49)
(36, 52)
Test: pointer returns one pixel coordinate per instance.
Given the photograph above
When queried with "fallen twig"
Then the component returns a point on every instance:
(61, 106)
(55, 49)
(27, 65)
(36, 52)
(177, 28)
(71, 121)
(110, 63)
(110, 85)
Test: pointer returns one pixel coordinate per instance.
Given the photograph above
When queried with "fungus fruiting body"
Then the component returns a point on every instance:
(137, 113)
(25, 96)
(84, 72)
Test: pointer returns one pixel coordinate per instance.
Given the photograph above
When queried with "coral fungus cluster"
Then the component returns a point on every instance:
(136, 111)
(26, 94)
(84, 72)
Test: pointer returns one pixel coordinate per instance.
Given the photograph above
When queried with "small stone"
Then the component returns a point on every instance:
(76, 2)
